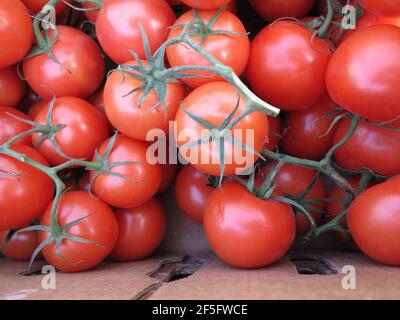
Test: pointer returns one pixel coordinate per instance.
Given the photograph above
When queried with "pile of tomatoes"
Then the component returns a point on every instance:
(89, 88)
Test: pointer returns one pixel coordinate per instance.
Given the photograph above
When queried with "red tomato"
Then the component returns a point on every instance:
(232, 51)
(271, 10)
(141, 181)
(306, 133)
(118, 31)
(286, 68)
(214, 102)
(192, 192)
(294, 180)
(274, 134)
(36, 5)
(382, 7)
(25, 196)
(169, 172)
(12, 88)
(122, 107)
(37, 108)
(98, 226)
(98, 101)
(206, 5)
(230, 6)
(374, 222)
(356, 77)
(21, 246)
(79, 74)
(16, 32)
(174, 2)
(246, 231)
(10, 126)
(84, 130)
(140, 231)
(91, 15)
(373, 147)
(84, 182)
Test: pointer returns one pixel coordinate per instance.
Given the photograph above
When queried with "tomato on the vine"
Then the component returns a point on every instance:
(36, 5)
(12, 88)
(390, 8)
(206, 5)
(37, 108)
(169, 172)
(20, 246)
(271, 10)
(274, 134)
(11, 126)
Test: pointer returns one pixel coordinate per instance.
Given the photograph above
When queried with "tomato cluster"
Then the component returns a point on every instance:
(288, 126)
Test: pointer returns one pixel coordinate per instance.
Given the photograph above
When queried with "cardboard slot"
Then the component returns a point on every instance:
(313, 265)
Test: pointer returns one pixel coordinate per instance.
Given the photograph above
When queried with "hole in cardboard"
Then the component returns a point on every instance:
(311, 265)
(34, 272)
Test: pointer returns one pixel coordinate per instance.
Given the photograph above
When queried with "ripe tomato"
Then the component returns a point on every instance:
(374, 222)
(246, 231)
(122, 107)
(25, 195)
(16, 32)
(214, 102)
(98, 101)
(21, 245)
(306, 131)
(98, 225)
(230, 6)
(142, 179)
(169, 172)
(37, 107)
(355, 76)
(274, 134)
(206, 5)
(192, 192)
(36, 5)
(140, 231)
(293, 181)
(10, 126)
(286, 67)
(91, 15)
(231, 50)
(271, 10)
(12, 88)
(118, 31)
(382, 7)
(80, 70)
(373, 147)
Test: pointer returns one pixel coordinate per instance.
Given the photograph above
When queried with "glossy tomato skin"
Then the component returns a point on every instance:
(118, 30)
(24, 197)
(99, 226)
(245, 231)
(286, 68)
(374, 222)
(79, 74)
(10, 126)
(12, 88)
(374, 147)
(232, 51)
(123, 109)
(355, 78)
(389, 8)
(206, 5)
(169, 172)
(84, 130)
(271, 10)
(274, 134)
(91, 15)
(37, 108)
(140, 231)
(36, 5)
(16, 32)
(307, 134)
(192, 192)
(21, 246)
(214, 102)
(125, 193)
(98, 101)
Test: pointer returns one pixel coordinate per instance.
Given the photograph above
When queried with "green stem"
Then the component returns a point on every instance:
(328, 20)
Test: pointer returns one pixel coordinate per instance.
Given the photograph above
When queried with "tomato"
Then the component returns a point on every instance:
(274, 134)
(206, 5)
(12, 88)
(21, 245)
(36, 5)
(355, 76)
(98, 101)
(191, 192)
(16, 32)
(84, 182)
(286, 68)
(174, 2)
(24, 196)
(271, 10)
(10, 126)
(307, 134)
(91, 15)
(141, 179)
(231, 50)
(118, 31)
(140, 231)
(169, 172)
(246, 231)
(374, 222)
(84, 130)
(382, 7)
(37, 107)
(80, 70)
(122, 107)
(295, 180)
(371, 146)
(214, 102)
(230, 6)
(98, 225)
